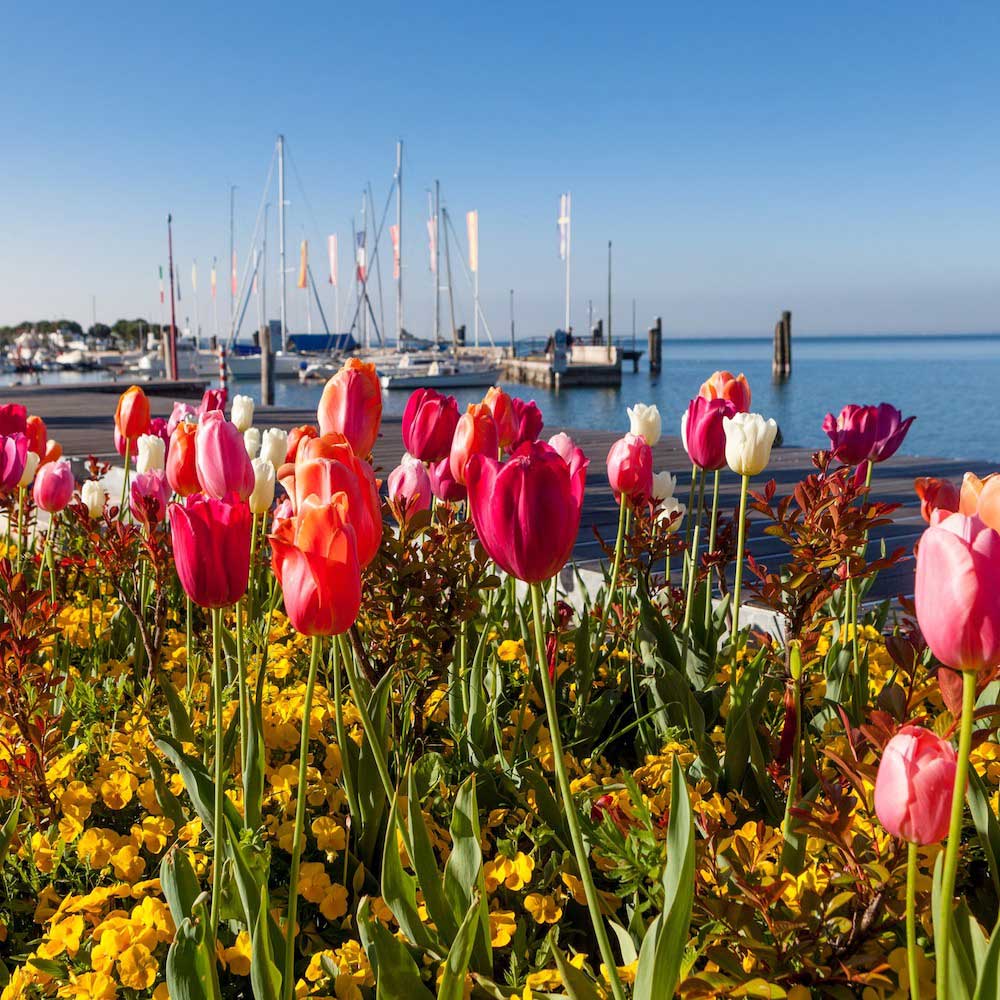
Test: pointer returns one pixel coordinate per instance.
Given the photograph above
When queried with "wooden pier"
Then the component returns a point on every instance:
(83, 422)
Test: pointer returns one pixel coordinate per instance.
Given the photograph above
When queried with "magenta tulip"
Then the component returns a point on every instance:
(527, 510)
(54, 485)
(703, 433)
(221, 458)
(958, 579)
(429, 422)
(211, 542)
(630, 468)
(852, 434)
(149, 496)
(444, 486)
(890, 429)
(529, 421)
(409, 488)
(914, 786)
(13, 455)
(13, 419)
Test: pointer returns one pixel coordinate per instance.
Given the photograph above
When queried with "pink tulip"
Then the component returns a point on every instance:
(180, 412)
(936, 494)
(527, 510)
(444, 486)
(221, 458)
(13, 455)
(703, 433)
(54, 485)
(159, 427)
(852, 434)
(429, 424)
(529, 421)
(213, 399)
(149, 496)
(409, 488)
(890, 429)
(958, 579)
(568, 451)
(914, 786)
(630, 468)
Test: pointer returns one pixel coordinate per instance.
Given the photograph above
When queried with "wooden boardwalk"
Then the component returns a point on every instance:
(83, 422)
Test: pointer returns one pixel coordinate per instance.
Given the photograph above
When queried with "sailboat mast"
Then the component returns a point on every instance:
(399, 240)
(609, 300)
(262, 276)
(365, 336)
(232, 256)
(451, 295)
(172, 372)
(281, 238)
(569, 233)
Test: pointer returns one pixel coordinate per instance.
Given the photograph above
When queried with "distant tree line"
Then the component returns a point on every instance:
(125, 332)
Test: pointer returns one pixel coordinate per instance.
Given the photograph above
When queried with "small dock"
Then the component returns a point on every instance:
(83, 422)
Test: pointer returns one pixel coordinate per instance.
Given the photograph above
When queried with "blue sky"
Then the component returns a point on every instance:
(840, 160)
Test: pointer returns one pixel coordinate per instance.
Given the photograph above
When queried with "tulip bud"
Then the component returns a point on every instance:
(31, 463)
(132, 414)
(221, 458)
(263, 486)
(182, 469)
(13, 418)
(429, 424)
(443, 484)
(936, 494)
(475, 434)
(504, 417)
(351, 405)
(151, 453)
(149, 495)
(14, 451)
(54, 485)
(726, 385)
(241, 413)
(666, 514)
(409, 488)
(94, 497)
(630, 467)
(274, 446)
(748, 442)
(645, 421)
(37, 435)
(251, 441)
(664, 485)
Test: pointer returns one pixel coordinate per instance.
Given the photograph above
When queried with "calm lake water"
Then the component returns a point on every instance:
(949, 382)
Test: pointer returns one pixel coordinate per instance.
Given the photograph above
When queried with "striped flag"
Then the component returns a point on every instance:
(394, 234)
(161, 285)
(564, 217)
(213, 278)
(360, 256)
(194, 276)
(432, 231)
(333, 259)
(234, 273)
(303, 263)
(472, 226)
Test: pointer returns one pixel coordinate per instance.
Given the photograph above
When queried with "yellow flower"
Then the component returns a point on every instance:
(330, 835)
(503, 926)
(237, 958)
(545, 909)
(127, 863)
(63, 936)
(510, 650)
(118, 788)
(89, 986)
(138, 967)
(42, 853)
(333, 905)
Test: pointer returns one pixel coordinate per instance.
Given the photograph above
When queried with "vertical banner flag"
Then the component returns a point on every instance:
(472, 225)
(360, 256)
(213, 278)
(333, 260)
(303, 263)
(394, 233)
(564, 209)
(194, 276)
(234, 273)
(432, 238)
(161, 284)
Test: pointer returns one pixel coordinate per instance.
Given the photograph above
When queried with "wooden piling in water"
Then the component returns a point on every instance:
(781, 366)
(656, 346)
(266, 367)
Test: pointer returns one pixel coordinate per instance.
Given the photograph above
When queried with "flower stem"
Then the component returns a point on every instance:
(955, 830)
(572, 819)
(128, 455)
(288, 979)
(692, 582)
(338, 717)
(218, 815)
(740, 545)
(911, 921)
(687, 524)
(619, 545)
(244, 693)
(713, 524)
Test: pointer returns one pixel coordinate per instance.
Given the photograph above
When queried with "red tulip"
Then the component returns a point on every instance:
(504, 417)
(296, 436)
(630, 468)
(852, 434)
(703, 433)
(54, 485)
(936, 494)
(529, 421)
(914, 786)
(132, 414)
(213, 399)
(149, 494)
(443, 484)
(890, 429)
(221, 458)
(958, 578)
(475, 434)
(182, 469)
(352, 405)
(211, 542)
(38, 435)
(13, 419)
(429, 424)
(409, 488)
(13, 455)
(314, 556)
(527, 510)
(726, 385)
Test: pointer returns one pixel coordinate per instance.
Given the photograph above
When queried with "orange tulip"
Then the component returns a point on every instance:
(982, 497)
(314, 556)
(37, 435)
(182, 469)
(53, 452)
(296, 436)
(352, 405)
(476, 434)
(726, 385)
(502, 408)
(132, 415)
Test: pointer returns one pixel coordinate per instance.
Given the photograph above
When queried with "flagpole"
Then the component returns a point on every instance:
(232, 256)
(569, 232)
(437, 262)
(197, 314)
(215, 298)
(475, 291)
(399, 241)
(173, 374)
(281, 239)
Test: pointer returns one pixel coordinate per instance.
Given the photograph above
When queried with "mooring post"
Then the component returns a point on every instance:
(781, 366)
(266, 368)
(656, 346)
(786, 323)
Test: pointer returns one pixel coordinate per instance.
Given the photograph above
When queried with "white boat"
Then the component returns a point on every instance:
(443, 374)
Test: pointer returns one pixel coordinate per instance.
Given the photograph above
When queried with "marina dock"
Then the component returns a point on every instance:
(83, 422)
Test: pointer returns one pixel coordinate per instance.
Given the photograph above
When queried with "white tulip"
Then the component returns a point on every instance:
(151, 453)
(684, 432)
(668, 509)
(31, 461)
(263, 486)
(645, 420)
(748, 442)
(251, 441)
(274, 446)
(241, 412)
(94, 497)
(664, 485)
